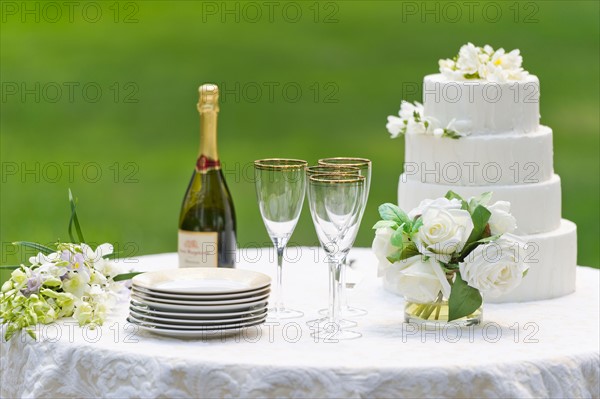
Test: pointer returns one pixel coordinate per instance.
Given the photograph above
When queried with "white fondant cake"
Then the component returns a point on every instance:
(502, 148)
(490, 107)
(537, 207)
(499, 159)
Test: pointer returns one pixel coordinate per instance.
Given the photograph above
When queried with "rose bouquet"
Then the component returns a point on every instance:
(444, 254)
(70, 279)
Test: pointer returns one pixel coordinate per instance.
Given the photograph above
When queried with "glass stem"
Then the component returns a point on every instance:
(334, 293)
(344, 289)
(279, 298)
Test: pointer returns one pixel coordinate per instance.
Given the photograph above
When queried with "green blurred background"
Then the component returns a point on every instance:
(302, 79)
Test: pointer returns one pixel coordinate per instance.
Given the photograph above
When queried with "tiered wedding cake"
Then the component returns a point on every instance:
(478, 130)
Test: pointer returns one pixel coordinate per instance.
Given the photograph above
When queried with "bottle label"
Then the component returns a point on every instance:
(198, 249)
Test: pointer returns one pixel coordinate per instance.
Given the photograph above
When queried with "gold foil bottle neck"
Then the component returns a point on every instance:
(209, 98)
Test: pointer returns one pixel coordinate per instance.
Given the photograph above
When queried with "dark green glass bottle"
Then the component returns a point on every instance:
(207, 231)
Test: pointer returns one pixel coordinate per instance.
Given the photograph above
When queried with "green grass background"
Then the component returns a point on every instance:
(367, 55)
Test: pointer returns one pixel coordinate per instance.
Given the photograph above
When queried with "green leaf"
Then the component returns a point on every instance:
(452, 195)
(463, 300)
(114, 255)
(451, 134)
(394, 213)
(480, 217)
(417, 225)
(394, 257)
(409, 251)
(397, 238)
(483, 200)
(126, 276)
(74, 221)
(385, 223)
(474, 75)
(34, 245)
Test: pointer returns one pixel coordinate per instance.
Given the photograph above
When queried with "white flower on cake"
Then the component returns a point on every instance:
(484, 63)
(443, 233)
(501, 221)
(468, 59)
(495, 268)
(412, 120)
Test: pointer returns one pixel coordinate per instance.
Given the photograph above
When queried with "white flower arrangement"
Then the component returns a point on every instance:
(71, 279)
(411, 120)
(450, 248)
(473, 62)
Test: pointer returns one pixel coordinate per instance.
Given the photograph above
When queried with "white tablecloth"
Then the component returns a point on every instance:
(537, 349)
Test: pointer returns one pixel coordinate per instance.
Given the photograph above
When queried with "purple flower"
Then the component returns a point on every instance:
(76, 261)
(33, 284)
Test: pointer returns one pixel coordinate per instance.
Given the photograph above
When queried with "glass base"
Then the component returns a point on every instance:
(324, 320)
(347, 312)
(435, 314)
(284, 313)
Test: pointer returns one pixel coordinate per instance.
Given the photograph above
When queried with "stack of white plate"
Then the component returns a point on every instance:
(199, 302)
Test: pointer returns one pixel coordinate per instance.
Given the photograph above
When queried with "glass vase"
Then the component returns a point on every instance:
(435, 314)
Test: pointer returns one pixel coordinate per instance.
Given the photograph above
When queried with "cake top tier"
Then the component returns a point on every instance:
(481, 91)
(484, 63)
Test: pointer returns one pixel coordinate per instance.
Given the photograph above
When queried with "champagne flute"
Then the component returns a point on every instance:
(335, 202)
(364, 165)
(332, 169)
(280, 188)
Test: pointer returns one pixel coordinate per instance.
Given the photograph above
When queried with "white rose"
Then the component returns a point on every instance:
(495, 268)
(417, 279)
(443, 233)
(442, 203)
(468, 59)
(382, 247)
(501, 221)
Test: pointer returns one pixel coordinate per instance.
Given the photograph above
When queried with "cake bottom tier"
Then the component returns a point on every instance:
(552, 259)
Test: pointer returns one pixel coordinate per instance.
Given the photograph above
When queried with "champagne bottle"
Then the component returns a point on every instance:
(207, 231)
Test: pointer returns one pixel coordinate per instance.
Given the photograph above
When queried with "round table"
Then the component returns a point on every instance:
(537, 349)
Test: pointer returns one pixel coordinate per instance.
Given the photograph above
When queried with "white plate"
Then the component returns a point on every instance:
(207, 297)
(144, 297)
(201, 322)
(140, 308)
(210, 334)
(235, 324)
(200, 308)
(202, 281)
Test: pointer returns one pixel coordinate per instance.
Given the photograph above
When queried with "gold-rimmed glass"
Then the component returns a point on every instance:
(280, 189)
(335, 203)
(364, 165)
(332, 169)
